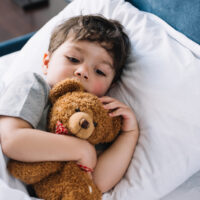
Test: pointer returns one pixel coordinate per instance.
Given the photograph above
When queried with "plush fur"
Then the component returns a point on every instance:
(83, 115)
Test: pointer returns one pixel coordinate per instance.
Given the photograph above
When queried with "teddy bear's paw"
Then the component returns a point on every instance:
(89, 193)
(31, 173)
(50, 188)
(77, 185)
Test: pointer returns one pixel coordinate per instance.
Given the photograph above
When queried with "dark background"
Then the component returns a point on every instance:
(16, 21)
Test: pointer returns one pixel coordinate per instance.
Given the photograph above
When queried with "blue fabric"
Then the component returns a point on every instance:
(14, 44)
(183, 15)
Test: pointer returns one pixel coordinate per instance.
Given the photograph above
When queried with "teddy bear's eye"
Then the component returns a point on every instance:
(95, 124)
(77, 110)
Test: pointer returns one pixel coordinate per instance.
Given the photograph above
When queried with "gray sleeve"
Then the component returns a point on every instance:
(25, 98)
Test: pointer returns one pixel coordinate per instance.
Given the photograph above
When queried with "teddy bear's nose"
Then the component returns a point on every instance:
(84, 123)
(81, 125)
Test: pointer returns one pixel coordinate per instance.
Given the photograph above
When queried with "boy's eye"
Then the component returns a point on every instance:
(72, 59)
(100, 72)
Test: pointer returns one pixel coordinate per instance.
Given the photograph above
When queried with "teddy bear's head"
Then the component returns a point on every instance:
(80, 113)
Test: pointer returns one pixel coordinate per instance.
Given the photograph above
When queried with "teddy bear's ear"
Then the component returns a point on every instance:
(62, 87)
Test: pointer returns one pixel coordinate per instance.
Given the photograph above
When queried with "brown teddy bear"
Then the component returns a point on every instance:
(79, 114)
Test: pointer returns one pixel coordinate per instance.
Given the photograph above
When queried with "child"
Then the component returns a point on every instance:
(93, 50)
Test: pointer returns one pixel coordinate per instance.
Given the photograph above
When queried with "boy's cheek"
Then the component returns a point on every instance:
(99, 89)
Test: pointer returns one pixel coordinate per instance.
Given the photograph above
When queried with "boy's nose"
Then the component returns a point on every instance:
(81, 73)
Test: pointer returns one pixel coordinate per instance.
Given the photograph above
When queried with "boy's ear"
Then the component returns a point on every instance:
(45, 63)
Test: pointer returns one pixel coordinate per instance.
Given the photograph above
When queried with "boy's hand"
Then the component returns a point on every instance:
(118, 108)
(88, 156)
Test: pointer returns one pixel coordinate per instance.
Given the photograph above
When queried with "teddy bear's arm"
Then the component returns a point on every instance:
(31, 173)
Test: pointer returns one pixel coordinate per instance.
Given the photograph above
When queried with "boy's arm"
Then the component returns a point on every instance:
(113, 163)
(21, 142)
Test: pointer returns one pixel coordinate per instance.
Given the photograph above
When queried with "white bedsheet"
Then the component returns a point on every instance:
(10, 188)
(5, 63)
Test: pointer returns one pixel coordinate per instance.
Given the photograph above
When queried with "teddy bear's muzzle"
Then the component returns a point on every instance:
(81, 125)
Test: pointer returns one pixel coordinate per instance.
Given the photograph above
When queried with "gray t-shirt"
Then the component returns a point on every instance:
(27, 98)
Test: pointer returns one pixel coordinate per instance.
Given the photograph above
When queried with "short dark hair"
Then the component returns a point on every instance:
(95, 28)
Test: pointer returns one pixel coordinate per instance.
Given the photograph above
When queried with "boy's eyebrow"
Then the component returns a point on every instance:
(77, 48)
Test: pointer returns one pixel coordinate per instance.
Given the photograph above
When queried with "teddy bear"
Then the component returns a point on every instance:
(76, 113)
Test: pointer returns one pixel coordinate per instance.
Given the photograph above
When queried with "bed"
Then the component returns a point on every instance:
(161, 83)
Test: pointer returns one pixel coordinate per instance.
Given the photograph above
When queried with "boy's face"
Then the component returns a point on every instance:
(84, 60)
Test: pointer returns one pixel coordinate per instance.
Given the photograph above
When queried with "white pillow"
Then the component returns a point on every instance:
(161, 83)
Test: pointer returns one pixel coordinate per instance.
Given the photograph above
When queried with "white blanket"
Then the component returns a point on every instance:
(10, 188)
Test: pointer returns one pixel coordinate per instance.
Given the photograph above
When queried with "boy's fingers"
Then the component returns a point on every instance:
(106, 99)
(118, 112)
(114, 105)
